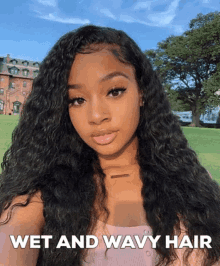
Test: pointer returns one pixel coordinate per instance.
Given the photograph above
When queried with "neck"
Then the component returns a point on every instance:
(124, 159)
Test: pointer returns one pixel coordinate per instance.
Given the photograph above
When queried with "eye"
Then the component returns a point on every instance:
(116, 92)
(76, 101)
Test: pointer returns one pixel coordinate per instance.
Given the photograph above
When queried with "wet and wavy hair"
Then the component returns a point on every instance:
(48, 155)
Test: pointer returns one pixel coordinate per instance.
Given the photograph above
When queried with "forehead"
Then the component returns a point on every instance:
(96, 65)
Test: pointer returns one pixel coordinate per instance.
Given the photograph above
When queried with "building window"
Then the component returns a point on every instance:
(25, 72)
(25, 63)
(1, 79)
(24, 84)
(14, 62)
(13, 70)
(11, 85)
(1, 91)
(35, 73)
(36, 64)
(16, 107)
(1, 105)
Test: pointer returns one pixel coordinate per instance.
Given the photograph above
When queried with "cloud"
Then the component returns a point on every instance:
(130, 19)
(157, 19)
(54, 14)
(166, 17)
(54, 17)
(178, 29)
(142, 5)
(108, 13)
(149, 18)
(127, 18)
(206, 1)
(52, 3)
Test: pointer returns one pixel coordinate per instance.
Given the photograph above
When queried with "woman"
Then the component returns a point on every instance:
(96, 151)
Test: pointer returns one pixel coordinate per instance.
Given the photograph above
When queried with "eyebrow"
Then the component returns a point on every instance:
(105, 78)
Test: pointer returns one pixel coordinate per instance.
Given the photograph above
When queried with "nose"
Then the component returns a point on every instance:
(98, 112)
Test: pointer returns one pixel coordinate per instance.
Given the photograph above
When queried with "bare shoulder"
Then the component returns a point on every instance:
(24, 221)
(196, 257)
(32, 213)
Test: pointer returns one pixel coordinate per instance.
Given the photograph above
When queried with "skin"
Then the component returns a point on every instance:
(118, 111)
(98, 108)
(99, 111)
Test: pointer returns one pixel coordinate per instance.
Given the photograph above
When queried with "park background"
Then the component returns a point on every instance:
(181, 38)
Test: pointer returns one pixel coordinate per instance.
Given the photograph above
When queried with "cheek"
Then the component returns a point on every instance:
(128, 115)
(78, 124)
(133, 120)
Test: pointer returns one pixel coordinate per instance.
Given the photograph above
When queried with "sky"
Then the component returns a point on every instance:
(30, 28)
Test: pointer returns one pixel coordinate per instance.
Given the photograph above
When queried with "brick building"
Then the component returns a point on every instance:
(16, 78)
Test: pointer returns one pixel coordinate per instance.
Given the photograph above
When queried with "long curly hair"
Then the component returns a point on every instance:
(48, 155)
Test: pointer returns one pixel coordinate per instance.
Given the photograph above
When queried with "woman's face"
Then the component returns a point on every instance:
(104, 102)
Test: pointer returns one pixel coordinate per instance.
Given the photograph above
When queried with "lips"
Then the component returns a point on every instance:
(104, 139)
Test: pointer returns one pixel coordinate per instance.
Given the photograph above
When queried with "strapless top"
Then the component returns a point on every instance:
(128, 252)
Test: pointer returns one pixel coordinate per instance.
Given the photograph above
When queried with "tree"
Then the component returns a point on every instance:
(201, 20)
(176, 104)
(186, 62)
(212, 88)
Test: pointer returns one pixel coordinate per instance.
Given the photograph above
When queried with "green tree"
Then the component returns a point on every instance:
(202, 20)
(176, 104)
(186, 62)
(211, 88)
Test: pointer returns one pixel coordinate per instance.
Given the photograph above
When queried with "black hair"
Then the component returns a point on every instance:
(48, 155)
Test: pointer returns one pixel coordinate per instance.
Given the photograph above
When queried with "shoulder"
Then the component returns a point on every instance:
(32, 213)
(197, 255)
(24, 220)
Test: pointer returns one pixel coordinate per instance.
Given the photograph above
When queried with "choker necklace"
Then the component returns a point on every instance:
(116, 176)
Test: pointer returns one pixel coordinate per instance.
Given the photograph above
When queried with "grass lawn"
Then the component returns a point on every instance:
(7, 124)
(205, 141)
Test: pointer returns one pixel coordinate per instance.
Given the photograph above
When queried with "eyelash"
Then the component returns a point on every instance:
(73, 100)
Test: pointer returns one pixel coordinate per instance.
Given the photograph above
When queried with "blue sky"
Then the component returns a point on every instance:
(30, 28)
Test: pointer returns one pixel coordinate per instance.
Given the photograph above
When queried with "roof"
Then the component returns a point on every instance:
(19, 64)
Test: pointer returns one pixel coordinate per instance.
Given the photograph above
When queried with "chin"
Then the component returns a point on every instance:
(110, 152)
